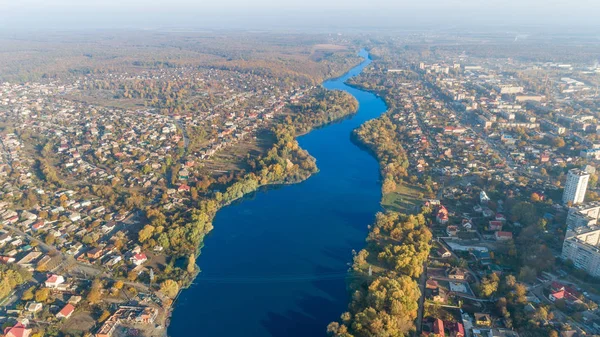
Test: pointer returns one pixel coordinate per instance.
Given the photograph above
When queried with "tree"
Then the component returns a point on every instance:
(28, 294)
(145, 233)
(489, 285)
(132, 275)
(525, 213)
(191, 266)
(527, 274)
(119, 284)
(593, 180)
(170, 288)
(95, 294)
(41, 295)
(104, 316)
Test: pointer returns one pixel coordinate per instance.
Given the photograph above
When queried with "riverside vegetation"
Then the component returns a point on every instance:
(384, 275)
(284, 163)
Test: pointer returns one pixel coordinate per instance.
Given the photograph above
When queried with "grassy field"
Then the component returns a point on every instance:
(404, 200)
(235, 157)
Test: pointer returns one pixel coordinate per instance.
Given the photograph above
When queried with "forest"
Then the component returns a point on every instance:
(322, 107)
(380, 136)
(386, 302)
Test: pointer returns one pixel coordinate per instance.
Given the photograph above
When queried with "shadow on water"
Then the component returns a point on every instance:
(303, 322)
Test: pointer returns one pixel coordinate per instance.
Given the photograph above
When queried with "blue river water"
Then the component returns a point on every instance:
(276, 261)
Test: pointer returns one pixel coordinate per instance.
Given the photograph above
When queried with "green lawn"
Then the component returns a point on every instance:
(404, 200)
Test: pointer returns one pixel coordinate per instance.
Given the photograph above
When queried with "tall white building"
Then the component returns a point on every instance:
(582, 246)
(577, 181)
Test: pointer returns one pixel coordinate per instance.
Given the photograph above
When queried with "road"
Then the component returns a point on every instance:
(538, 291)
(422, 281)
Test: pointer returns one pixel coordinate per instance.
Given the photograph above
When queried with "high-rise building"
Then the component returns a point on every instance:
(582, 215)
(576, 186)
(582, 247)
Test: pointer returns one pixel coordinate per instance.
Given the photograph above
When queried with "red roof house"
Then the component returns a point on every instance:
(438, 327)
(503, 236)
(442, 215)
(54, 281)
(496, 225)
(139, 259)
(183, 188)
(557, 295)
(66, 312)
(19, 330)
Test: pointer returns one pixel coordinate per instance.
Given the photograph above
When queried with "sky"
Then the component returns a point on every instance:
(294, 14)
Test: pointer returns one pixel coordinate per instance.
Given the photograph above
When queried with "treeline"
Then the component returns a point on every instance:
(11, 276)
(324, 106)
(382, 138)
(285, 162)
(386, 303)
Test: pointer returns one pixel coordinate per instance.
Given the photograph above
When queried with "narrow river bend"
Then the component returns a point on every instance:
(275, 263)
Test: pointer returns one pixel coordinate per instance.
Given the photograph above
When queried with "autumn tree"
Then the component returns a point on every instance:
(169, 288)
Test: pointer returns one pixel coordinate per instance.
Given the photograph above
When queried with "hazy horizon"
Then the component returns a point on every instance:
(296, 14)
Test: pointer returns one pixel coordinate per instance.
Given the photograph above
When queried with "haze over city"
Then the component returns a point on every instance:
(298, 15)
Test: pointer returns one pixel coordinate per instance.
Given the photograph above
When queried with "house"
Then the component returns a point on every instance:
(75, 299)
(5, 238)
(503, 236)
(556, 286)
(18, 330)
(467, 224)
(443, 252)
(66, 312)
(439, 295)
(483, 320)
(431, 284)
(7, 259)
(483, 197)
(183, 188)
(33, 306)
(54, 281)
(456, 329)
(148, 315)
(557, 295)
(74, 217)
(139, 259)
(457, 273)
(452, 230)
(442, 215)
(496, 225)
(488, 213)
(38, 225)
(483, 257)
(438, 327)
(500, 217)
(95, 253)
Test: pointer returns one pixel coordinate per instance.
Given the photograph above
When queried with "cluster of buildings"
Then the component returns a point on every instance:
(434, 137)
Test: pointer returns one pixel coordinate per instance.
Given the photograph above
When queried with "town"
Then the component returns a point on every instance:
(109, 180)
(111, 176)
(496, 157)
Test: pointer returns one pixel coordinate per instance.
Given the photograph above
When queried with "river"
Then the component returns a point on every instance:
(276, 261)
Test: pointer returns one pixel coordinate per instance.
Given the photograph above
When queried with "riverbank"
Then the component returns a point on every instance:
(385, 274)
(291, 170)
